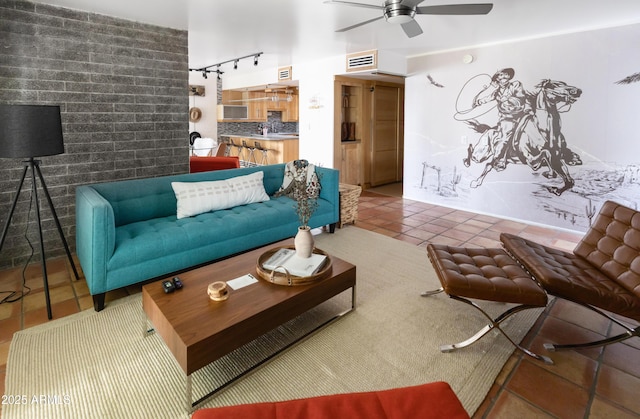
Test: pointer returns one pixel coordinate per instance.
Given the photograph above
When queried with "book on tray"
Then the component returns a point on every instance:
(295, 265)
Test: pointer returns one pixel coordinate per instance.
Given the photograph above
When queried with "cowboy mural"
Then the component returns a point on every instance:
(528, 129)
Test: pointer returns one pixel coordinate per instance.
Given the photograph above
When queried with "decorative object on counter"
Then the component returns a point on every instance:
(28, 131)
(301, 183)
(218, 291)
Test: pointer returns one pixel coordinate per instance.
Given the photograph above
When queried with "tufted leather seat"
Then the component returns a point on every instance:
(485, 274)
(603, 272)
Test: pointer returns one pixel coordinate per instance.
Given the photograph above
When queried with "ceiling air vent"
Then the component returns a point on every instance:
(359, 61)
(284, 73)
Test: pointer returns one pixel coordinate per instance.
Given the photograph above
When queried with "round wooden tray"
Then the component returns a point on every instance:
(282, 277)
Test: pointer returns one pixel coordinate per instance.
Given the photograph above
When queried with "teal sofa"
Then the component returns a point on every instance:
(127, 232)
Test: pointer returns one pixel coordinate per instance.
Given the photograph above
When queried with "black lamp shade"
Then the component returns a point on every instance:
(30, 131)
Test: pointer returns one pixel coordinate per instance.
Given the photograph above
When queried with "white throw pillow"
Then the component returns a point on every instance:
(199, 197)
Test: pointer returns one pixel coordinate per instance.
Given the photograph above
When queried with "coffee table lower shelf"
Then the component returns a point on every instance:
(189, 392)
(199, 331)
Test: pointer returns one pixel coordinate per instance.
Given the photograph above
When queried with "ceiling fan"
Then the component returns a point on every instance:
(403, 12)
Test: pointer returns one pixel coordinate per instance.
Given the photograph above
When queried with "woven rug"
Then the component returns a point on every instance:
(100, 364)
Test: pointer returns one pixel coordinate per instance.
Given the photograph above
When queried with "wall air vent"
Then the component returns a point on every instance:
(367, 60)
(284, 73)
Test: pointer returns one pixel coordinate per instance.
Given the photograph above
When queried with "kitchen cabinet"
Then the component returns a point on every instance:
(292, 114)
(231, 97)
(289, 108)
(257, 105)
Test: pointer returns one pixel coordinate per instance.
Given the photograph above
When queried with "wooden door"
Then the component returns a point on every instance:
(386, 148)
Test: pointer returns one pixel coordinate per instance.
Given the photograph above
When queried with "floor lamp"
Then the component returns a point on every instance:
(28, 131)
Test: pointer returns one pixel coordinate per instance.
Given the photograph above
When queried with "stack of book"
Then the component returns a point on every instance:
(295, 265)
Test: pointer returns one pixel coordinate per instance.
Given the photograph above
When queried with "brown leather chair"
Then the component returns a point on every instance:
(602, 273)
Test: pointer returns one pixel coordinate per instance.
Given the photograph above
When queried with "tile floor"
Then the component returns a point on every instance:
(594, 383)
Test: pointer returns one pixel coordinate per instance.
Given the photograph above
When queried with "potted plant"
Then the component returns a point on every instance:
(306, 202)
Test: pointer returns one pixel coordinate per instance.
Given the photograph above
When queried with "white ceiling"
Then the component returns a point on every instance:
(290, 31)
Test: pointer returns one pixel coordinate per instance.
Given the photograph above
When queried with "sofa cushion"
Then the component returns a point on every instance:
(143, 241)
(199, 197)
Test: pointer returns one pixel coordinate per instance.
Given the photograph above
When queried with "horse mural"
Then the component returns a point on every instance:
(535, 136)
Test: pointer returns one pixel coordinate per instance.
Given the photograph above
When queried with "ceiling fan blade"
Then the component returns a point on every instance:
(411, 3)
(411, 28)
(349, 3)
(456, 9)
(348, 28)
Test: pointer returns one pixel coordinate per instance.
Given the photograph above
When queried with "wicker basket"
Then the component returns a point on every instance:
(349, 195)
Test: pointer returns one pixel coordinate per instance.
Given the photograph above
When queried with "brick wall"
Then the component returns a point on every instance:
(122, 88)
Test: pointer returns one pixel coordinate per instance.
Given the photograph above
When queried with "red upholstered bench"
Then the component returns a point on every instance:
(433, 400)
(207, 164)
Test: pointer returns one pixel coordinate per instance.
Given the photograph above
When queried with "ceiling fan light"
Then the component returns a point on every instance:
(398, 14)
(400, 19)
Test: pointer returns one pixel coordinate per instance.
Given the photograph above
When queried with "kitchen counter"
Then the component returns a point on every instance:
(268, 137)
(281, 146)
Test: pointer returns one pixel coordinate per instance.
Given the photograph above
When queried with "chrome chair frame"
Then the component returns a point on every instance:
(493, 324)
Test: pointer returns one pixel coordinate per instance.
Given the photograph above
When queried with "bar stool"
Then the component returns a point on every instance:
(238, 147)
(228, 144)
(265, 153)
(251, 150)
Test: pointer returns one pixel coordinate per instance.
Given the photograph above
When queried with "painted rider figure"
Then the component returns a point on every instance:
(512, 105)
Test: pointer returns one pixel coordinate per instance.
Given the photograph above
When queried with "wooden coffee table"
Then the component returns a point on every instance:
(199, 331)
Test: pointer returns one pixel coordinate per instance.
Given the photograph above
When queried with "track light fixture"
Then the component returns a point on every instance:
(205, 70)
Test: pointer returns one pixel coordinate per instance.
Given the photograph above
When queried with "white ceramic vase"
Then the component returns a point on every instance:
(303, 242)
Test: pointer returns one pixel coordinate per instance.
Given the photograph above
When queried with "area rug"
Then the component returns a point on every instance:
(100, 364)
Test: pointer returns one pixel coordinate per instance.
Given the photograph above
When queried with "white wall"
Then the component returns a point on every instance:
(316, 100)
(207, 126)
(316, 110)
(601, 127)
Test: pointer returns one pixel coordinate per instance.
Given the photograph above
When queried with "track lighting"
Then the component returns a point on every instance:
(235, 61)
